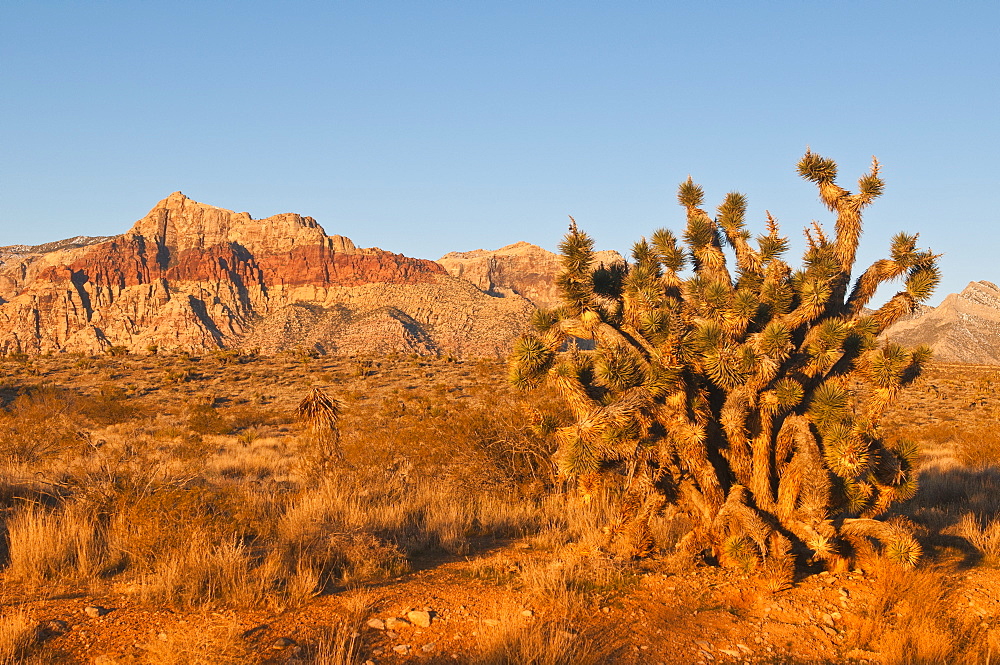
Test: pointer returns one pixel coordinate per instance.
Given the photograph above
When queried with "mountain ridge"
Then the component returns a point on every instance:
(193, 277)
(964, 328)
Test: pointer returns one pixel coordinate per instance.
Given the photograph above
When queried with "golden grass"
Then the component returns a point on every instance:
(17, 635)
(215, 642)
(513, 642)
(911, 619)
(339, 645)
(180, 506)
(63, 546)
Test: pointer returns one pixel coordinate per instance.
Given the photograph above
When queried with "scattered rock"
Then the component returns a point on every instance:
(377, 624)
(283, 643)
(428, 647)
(491, 622)
(527, 613)
(394, 623)
(94, 611)
(402, 648)
(421, 618)
(52, 627)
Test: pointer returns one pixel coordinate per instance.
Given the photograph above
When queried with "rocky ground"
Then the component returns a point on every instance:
(444, 614)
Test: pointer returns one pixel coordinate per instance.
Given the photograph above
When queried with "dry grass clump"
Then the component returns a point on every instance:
(55, 546)
(983, 535)
(214, 642)
(574, 578)
(339, 645)
(910, 618)
(546, 643)
(18, 633)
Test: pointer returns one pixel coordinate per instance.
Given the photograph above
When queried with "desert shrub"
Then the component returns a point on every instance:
(112, 405)
(503, 443)
(978, 446)
(751, 399)
(206, 419)
(40, 424)
(245, 417)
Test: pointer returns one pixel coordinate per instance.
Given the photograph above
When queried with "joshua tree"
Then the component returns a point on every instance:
(749, 399)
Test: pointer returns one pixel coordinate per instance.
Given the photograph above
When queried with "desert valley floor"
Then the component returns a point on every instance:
(439, 541)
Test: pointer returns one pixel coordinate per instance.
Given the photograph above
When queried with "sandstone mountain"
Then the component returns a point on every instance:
(193, 277)
(520, 269)
(964, 328)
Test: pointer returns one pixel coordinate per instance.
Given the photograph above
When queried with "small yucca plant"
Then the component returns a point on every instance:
(749, 397)
(322, 414)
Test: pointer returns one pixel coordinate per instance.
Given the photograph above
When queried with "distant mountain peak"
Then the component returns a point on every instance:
(521, 268)
(964, 328)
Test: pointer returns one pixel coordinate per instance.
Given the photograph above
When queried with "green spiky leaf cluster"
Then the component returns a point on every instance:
(745, 392)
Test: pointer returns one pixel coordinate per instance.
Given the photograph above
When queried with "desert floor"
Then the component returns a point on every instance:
(457, 523)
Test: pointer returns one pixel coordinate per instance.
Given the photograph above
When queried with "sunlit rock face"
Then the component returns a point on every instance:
(964, 328)
(520, 269)
(193, 277)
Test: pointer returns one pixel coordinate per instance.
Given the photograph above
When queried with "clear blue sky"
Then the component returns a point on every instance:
(428, 127)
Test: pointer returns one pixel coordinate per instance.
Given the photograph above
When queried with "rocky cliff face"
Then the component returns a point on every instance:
(964, 328)
(520, 269)
(192, 277)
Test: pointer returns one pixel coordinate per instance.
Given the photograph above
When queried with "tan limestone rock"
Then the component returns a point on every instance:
(522, 268)
(964, 328)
